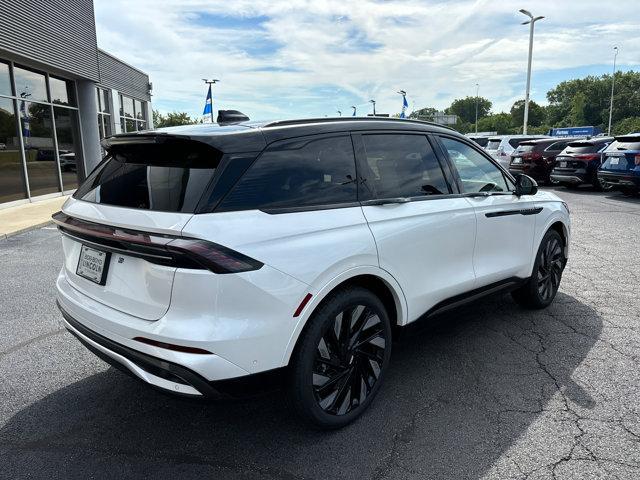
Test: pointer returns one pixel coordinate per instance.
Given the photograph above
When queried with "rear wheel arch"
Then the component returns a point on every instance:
(386, 289)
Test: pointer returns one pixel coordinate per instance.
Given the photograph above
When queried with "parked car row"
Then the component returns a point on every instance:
(602, 162)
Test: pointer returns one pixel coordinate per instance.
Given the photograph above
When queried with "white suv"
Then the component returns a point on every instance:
(204, 258)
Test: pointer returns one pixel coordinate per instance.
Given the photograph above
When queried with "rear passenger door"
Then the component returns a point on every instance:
(424, 234)
(506, 222)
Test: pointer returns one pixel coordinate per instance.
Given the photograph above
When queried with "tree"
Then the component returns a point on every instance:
(426, 113)
(536, 114)
(628, 125)
(172, 119)
(465, 108)
(585, 101)
(498, 122)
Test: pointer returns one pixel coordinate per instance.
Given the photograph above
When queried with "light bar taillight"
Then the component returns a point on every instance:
(158, 248)
(587, 156)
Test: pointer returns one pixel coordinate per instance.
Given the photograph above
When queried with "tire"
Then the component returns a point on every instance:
(541, 288)
(330, 383)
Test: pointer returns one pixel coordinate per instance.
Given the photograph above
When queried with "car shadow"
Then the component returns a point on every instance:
(458, 395)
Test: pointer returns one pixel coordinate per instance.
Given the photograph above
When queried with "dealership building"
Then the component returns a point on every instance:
(59, 95)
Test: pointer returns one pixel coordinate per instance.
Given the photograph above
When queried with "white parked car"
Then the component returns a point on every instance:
(501, 147)
(203, 258)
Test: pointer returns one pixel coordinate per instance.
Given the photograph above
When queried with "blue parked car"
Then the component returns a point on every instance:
(621, 167)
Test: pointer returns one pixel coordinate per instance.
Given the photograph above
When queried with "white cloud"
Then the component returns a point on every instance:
(310, 57)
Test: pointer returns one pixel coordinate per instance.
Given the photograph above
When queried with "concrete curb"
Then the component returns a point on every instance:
(6, 236)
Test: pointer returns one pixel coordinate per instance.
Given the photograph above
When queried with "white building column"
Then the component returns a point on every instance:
(115, 117)
(88, 113)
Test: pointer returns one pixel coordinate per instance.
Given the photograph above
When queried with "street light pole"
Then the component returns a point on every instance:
(374, 107)
(354, 110)
(532, 20)
(339, 113)
(211, 82)
(613, 81)
(477, 91)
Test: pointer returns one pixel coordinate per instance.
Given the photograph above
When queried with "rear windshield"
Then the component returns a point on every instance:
(493, 144)
(525, 148)
(168, 177)
(579, 147)
(626, 143)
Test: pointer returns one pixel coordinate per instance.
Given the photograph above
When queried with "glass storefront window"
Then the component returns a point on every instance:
(37, 133)
(61, 91)
(68, 141)
(104, 101)
(140, 113)
(126, 104)
(12, 185)
(30, 85)
(5, 80)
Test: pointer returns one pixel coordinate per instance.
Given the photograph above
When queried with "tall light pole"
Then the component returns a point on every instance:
(613, 81)
(339, 113)
(354, 110)
(211, 82)
(374, 107)
(477, 91)
(532, 20)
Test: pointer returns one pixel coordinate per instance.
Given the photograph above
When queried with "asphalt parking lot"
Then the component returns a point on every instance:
(491, 392)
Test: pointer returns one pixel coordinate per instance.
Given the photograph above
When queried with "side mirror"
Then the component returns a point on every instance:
(525, 185)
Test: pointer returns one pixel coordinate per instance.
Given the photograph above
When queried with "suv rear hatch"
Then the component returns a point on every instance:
(623, 156)
(577, 155)
(122, 228)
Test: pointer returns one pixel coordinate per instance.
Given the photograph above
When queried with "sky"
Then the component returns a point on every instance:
(290, 59)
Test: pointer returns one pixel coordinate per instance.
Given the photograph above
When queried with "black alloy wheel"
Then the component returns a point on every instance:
(348, 361)
(541, 288)
(341, 357)
(550, 269)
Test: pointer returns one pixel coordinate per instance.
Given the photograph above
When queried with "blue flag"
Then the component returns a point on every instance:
(207, 105)
(354, 112)
(404, 106)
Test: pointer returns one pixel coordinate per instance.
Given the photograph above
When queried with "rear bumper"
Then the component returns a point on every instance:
(537, 172)
(572, 178)
(168, 376)
(621, 180)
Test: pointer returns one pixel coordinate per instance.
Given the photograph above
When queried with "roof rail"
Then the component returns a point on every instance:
(304, 121)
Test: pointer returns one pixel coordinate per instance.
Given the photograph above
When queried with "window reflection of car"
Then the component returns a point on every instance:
(68, 162)
(45, 155)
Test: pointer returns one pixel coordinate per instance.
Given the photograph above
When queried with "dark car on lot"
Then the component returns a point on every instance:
(536, 158)
(578, 163)
(621, 167)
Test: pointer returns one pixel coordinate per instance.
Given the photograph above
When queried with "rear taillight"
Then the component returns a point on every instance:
(157, 248)
(587, 156)
(532, 156)
(637, 159)
(214, 257)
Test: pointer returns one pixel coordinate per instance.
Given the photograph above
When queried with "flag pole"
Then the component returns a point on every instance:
(210, 96)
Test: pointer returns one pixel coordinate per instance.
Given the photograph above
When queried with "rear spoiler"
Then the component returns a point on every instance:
(137, 138)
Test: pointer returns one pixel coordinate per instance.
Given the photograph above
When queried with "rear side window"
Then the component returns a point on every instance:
(493, 144)
(313, 171)
(482, 141)
(400, 165)
(168, 177)
(514, 142)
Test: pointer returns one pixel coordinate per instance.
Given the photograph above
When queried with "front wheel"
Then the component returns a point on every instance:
(341, 359)
(540, 290)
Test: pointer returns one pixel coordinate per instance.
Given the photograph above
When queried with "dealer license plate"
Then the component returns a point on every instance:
(93, 264)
